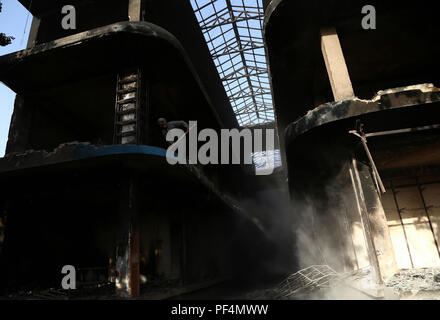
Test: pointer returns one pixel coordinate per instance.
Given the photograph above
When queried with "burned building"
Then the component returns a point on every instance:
(359, 111)
(85, 181)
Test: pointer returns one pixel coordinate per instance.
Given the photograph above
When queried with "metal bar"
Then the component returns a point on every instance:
(205, 5)
(401, 221)
(360, 133)
(415, 184)
(390, 132)
(253, 95)
(225, 52)
(233, 34)
(227, 78)
(249, 112)
(373, 165)
(237, 35)
(376, 182)
(230, 21)
(427, 215)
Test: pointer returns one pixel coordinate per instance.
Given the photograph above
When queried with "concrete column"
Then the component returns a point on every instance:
(335, 64)
(377, 234)
(33, 33)
(134, 10)
(128, 233)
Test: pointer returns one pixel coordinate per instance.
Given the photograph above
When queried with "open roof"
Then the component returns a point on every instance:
(233, 32)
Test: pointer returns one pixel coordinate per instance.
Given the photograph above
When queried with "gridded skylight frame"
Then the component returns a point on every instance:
(233, 32)
(264, 160)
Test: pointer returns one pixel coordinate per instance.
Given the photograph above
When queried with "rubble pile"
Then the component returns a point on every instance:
(322, 282)
(416, 283)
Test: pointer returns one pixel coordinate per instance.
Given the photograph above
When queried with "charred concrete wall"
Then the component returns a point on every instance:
(72, 217)
(54, 114)
(376, 59)
(333, 183)
(341, 212)
(77, 111)
(89, 15)
(69, 209)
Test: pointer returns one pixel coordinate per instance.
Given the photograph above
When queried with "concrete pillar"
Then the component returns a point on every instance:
(378, 238)
(128, 234)
(134, 10)
(33, 33)
(18, 137)
(335, 64)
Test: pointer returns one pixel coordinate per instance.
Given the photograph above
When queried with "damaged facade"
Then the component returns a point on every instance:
(359, 109)
(85, 181)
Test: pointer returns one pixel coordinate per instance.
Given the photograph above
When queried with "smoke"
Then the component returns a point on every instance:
(327, 232)
(317, 224)
(321, 235)
(271, 209)
(270, 206)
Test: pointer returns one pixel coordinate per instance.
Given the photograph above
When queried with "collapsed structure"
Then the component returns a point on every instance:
(359, 109)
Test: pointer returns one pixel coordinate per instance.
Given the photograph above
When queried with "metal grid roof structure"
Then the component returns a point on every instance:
(233, 32)
(267, 159)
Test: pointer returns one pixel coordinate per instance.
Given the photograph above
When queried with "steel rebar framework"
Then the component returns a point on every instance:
(233, 32)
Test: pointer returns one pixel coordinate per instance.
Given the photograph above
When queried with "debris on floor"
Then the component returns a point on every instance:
(306, 280)
(322, 282)
(416, 283)
(300, 284)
